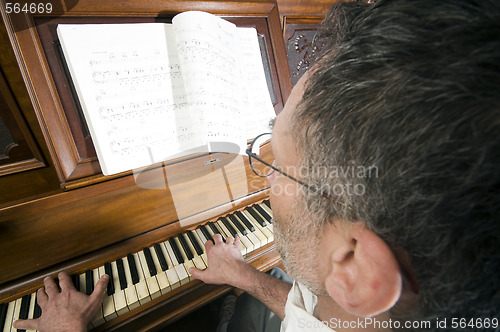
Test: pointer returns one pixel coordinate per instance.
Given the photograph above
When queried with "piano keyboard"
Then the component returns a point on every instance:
(142, 276)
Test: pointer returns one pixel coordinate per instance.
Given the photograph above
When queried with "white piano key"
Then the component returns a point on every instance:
(179, 268)
(161, 276)
(181, 249)
(83, 288)
(195, 240)
(151, 281)
(254, 239)
(257, 233)
(170, 253)
(99, 318)
(209, 230)
(32, 309)
(202, 239)
(189, 247)
(265, 230)
(173, 277)
(9, 318)
(187, 262)
(187, 265)
(199, 263)
(15, 314)
(246, 245)
(182, 273)
(222, 229)
(119, 295)
(108, 303)
(268, 225)
(197, 260)
(141, 286)
(130, 291)
(267, 209)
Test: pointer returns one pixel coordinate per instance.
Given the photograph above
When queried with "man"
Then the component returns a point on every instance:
(409, 88)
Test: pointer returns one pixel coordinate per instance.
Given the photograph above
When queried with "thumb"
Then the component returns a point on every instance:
(196, 273)
(99, 289)
(96, 298)
(27, 324)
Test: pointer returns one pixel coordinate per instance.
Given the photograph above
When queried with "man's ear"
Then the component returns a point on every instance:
(364, 277)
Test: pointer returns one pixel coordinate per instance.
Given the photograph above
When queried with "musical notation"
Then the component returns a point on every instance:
(154, 90)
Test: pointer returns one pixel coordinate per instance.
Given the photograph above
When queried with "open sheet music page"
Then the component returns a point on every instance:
(129, 84)
(207, 53)
(153, 91)
(224, 77)
(256, 106)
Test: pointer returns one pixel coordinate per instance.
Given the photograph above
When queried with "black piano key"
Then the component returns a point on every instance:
(216, 230)
(89, 282)
(230, 228)
(195, 243)
(185, 246)
(247, 223)
(267, 203)
(25, 306)
(121, 274)
(256, 216)
(150, 262)
(161, 257)
(76, 282)
(176, 250)
(238, 224)
(3, 313)
(111, 284)
(133, 269)
(206, 233)
(264, 213)
(37, 312)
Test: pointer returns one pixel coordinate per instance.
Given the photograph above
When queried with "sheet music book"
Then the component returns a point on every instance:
(154, 91)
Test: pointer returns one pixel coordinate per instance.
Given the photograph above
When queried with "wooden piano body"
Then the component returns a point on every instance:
(58, 212)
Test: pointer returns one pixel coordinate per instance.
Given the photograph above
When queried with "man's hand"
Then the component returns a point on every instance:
(227, 266)
(225, 263)
(68, 310)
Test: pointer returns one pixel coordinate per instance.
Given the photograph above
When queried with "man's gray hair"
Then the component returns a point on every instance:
(412, 88)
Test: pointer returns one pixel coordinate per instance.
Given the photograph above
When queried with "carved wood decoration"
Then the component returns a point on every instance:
(299, 34)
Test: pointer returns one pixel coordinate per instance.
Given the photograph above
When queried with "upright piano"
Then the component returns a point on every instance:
(146, 228)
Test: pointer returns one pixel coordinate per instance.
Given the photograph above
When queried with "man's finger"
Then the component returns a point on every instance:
(65, 281)
(51, 288)
(100, 288)
(237, 241)
(27, 324)
(217, 238)
(209, 243)
(41, 297)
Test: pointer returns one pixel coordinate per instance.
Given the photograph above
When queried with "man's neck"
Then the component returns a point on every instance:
(329, 311)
